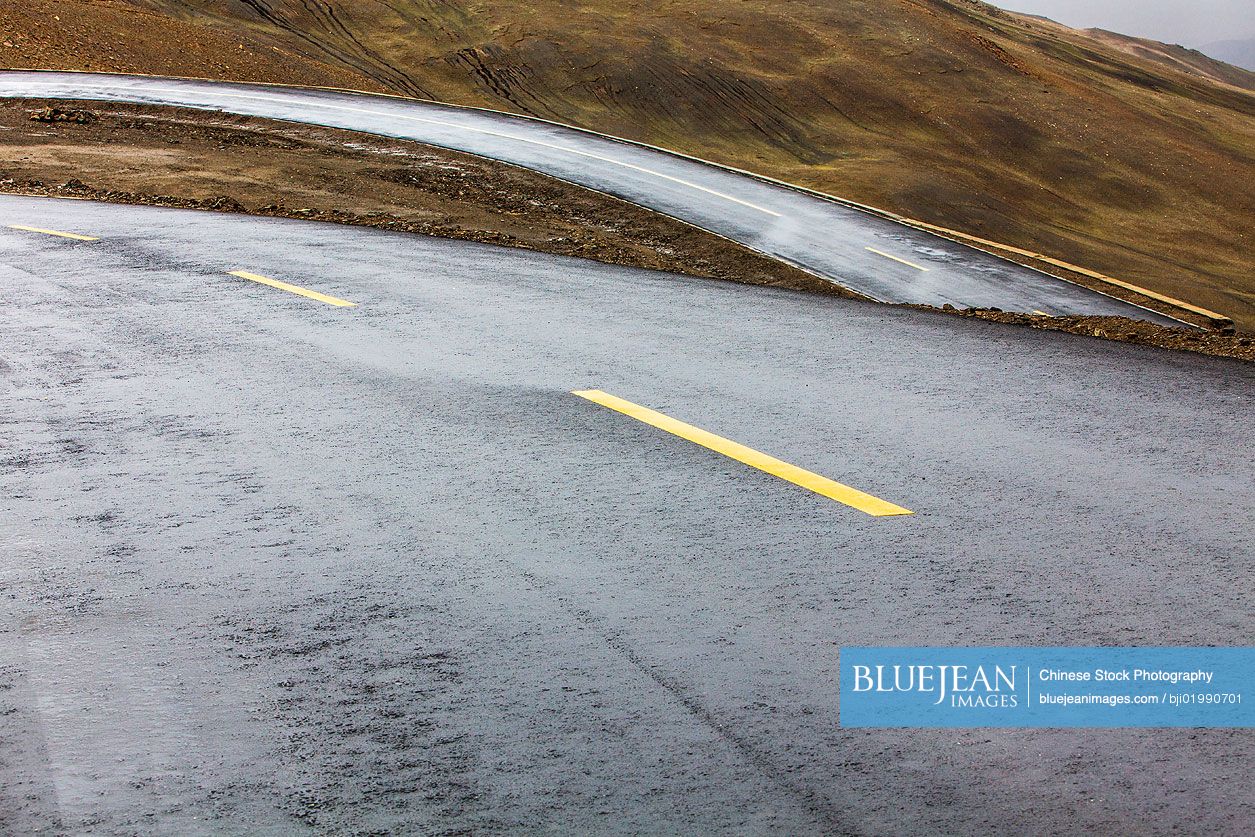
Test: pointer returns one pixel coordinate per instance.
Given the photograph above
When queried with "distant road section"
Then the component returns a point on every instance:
(872, 255)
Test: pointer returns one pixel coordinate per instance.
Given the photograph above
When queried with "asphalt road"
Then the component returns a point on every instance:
(877, 257)
(271, 565)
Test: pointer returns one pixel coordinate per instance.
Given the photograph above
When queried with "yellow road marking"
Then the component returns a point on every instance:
(1216, 319)
(820, 485)
(74, 236)
(485, 132)
(896, 259)
(296, 289)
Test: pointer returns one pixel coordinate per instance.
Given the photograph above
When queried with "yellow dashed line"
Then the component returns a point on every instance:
(295, 289)
(58, 233)
(820, 485)
(896, 259)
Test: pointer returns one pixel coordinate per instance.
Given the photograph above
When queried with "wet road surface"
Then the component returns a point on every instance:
(872, 255)
(275, 565)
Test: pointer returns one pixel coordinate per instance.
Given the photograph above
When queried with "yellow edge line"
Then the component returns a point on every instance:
(1084, 271)
(896, 259)
(74, 236)
(296, 289)
(820, 485)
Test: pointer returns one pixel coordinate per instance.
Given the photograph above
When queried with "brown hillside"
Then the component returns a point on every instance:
(118, 36)
(946, 110)
(1178, 58)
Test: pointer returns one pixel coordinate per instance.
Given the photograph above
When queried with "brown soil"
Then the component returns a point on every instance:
(1128, 159)
(1238, 346)
(119, 36)
(171, 157)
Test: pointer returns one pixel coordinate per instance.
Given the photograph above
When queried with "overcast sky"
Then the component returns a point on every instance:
(1189, 22)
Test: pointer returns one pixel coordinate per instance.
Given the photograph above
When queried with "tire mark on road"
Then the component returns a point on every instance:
(823, 810)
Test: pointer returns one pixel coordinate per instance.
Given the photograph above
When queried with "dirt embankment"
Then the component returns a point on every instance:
(187, 158)
(179, 158)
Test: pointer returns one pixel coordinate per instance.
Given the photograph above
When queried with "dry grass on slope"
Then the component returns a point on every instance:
(1178, 57)
(944, 110)
(115, 36)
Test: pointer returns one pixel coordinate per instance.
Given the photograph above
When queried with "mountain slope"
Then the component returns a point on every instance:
(118, 36)
(1180, 58)
(1240, 53)
(951, 111)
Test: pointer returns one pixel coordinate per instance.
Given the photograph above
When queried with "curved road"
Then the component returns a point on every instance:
(872, 255)
(275, 565)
